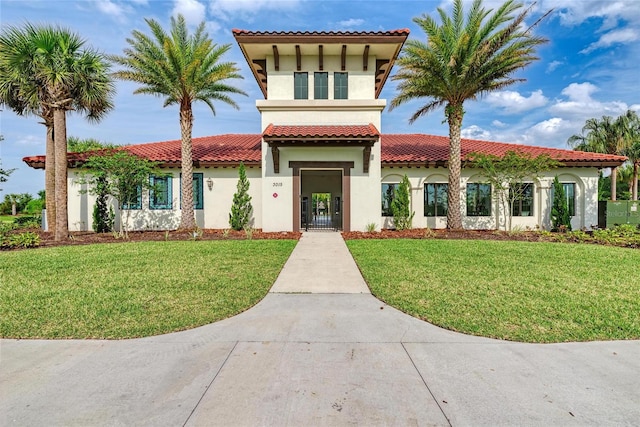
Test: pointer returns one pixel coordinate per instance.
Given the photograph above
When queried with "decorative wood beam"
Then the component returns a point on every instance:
(298, 58)
(320, 57)
(343, 58)
(366, 158)
(365, 58)
(275, 153)
(276, 57)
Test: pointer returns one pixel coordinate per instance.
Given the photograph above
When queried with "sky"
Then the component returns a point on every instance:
(589, 68)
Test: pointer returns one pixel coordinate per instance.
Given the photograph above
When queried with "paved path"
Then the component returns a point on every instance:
(318, 359)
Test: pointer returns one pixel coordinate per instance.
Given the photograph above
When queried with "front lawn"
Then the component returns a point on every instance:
(133, 289)
(521, 291)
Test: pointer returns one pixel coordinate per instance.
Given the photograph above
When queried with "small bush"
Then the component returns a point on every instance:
(371, 227)
(21, 240)
(32, 221)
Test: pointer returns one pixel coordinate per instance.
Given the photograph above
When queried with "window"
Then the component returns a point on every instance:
(435, 199)
(160, 194)
(522, 194)
(300, 86)
(320, 85)
(478, 199)
(198, 201)
(388, 194)
(132, 200)
(570, 196)
(340, 85)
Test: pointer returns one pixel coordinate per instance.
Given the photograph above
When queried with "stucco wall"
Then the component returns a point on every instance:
(586, 186)
(216, 203)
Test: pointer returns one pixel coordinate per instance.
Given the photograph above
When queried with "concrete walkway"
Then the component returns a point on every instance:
(318, 359)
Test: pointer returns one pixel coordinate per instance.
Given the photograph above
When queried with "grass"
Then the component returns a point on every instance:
(127, 290)
(7, 218)
(520, 291)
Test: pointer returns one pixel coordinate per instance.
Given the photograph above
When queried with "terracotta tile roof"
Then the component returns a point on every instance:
(321, 131)
(397, 32)
(397, 149)
(421, 149)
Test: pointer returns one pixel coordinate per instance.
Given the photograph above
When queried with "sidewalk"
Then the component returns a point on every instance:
(318, 359)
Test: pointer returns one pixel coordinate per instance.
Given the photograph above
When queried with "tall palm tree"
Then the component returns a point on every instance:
(605, 135)
(630, 124)
(183, 69)
(463, 58)
(45, 71)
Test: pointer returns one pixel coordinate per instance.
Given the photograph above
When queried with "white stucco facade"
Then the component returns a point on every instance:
(309, 146)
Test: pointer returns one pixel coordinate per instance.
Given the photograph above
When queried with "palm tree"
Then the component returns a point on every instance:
(609, 136)
(463, 58)
(45, 71)
(630, 123)
(182, 69)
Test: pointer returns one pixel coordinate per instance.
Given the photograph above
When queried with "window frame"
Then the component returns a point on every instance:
(394, 185)
(436, 192)
(138, 204)
(341, 85)
(300, 85)
(320, 85)
(477, 194)
(518, 203)
(153, 181)
(198, 190)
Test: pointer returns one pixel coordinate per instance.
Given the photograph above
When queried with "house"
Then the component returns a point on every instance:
(322, 160)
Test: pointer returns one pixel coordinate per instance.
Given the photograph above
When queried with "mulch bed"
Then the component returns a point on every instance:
(89, 237)
(425, 233)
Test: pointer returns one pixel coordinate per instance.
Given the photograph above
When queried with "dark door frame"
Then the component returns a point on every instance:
(346, 188)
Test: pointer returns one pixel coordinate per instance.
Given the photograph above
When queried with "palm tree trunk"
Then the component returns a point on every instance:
(454, 216)
(187, 220)
(614, 180)
(60, 138)
(50, 180)
(634, 186)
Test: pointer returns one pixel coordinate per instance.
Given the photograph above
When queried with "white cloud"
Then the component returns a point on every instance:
(31, 140)
(553, 65)
(512, 102)
(574, 12)
(226, 9)
(110, 8)
(475, 132)
(580, 92)
(350, 23)
(623, 36)
(498, 124)
(193, 11)
(581, 105)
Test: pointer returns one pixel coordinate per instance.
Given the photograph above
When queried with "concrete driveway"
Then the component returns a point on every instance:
(301, 358)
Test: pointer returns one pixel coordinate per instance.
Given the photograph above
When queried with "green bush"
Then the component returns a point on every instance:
(34, 207)
(32, 221)
(25, 240)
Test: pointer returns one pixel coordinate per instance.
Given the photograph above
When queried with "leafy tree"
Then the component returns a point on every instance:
(463, 58)
(44, 70)
(560, 219)
(15, 203)
(612, 136)
(183, 69)
(79, 145)
(508, 173)
(122, 176)
(35, 206)
(241, 208)
(401, 206)
(103, 214)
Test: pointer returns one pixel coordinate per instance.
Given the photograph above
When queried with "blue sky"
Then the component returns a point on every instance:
(588, 69)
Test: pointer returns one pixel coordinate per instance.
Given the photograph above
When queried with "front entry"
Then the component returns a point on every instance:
(321, 200)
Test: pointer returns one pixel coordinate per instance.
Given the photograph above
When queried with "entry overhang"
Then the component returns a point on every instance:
(278, 136)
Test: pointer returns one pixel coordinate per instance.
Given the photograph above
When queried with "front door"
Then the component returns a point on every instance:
(321, 200)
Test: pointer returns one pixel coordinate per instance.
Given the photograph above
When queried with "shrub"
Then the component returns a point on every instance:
(371, 227)
(401, 206)
(241, 208)
(32, 221)
(560, 219)
(25, 240)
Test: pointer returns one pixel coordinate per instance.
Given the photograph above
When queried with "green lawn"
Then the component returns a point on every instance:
(131, 289)
(533, 292)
